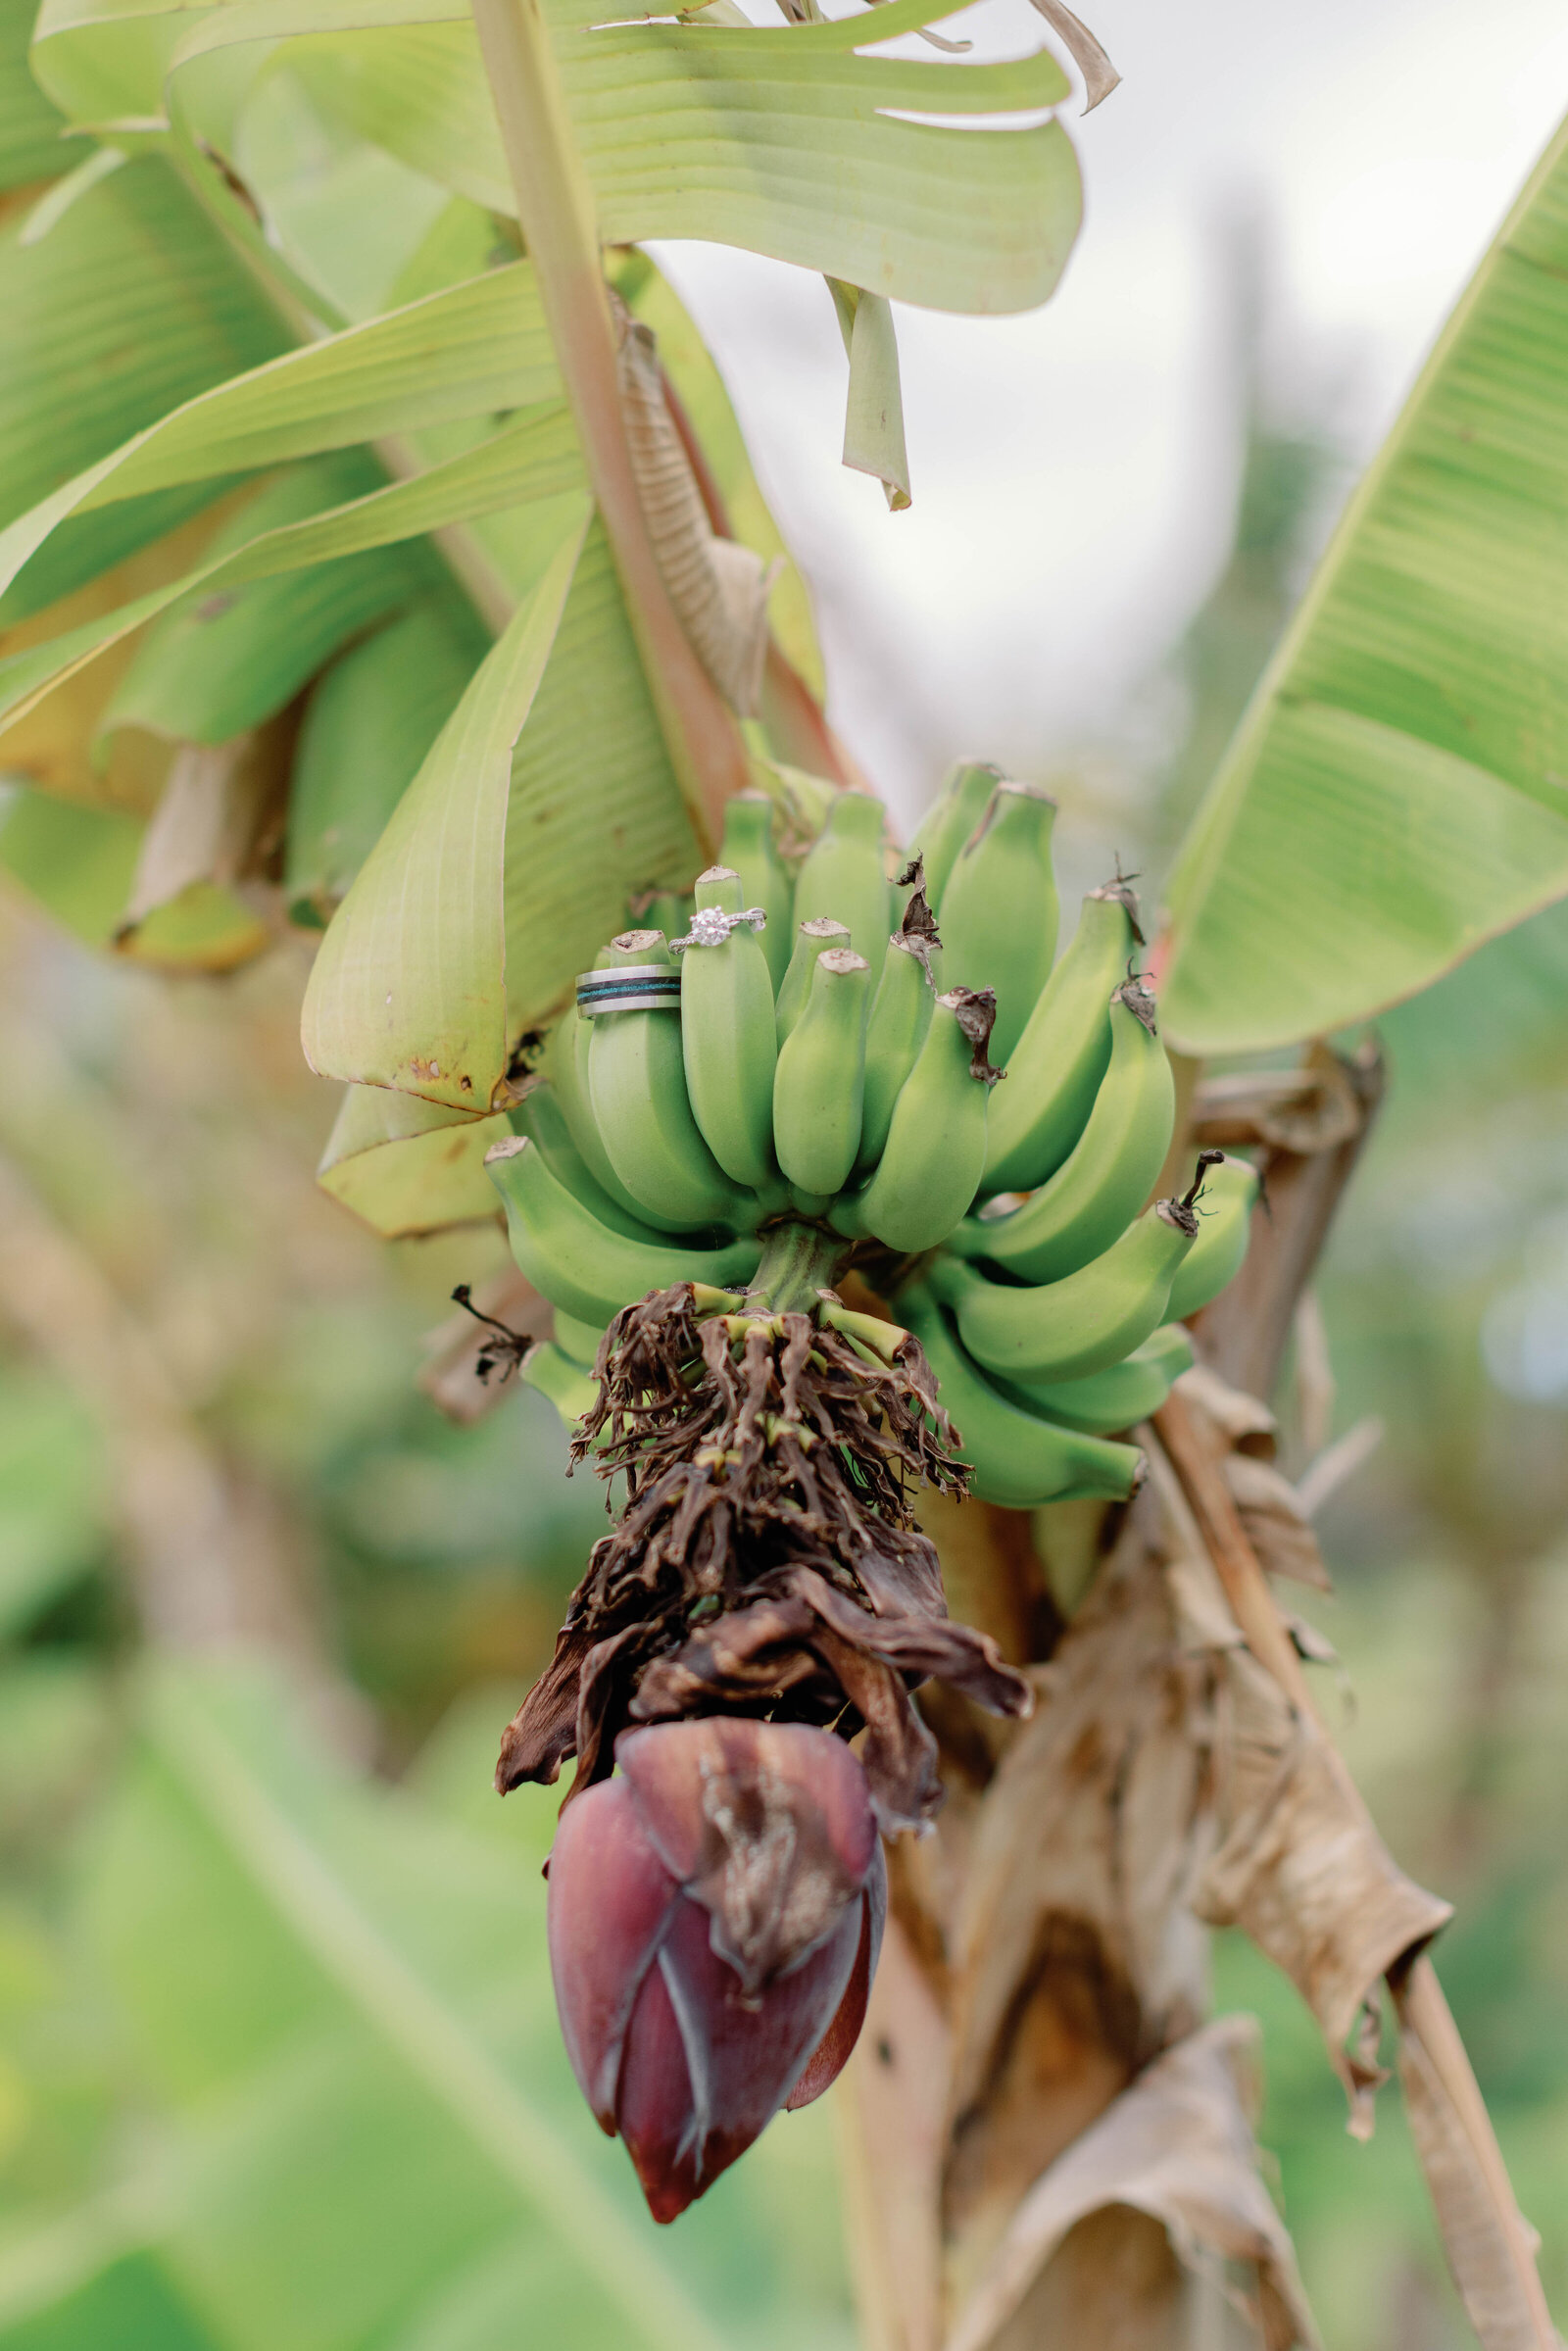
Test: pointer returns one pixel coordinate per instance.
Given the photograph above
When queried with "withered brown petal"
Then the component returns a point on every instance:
(743, 1656)
(899, 1754)
(543, 1732)
(956, 1655)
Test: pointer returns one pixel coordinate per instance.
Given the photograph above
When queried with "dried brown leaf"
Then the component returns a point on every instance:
(718, 588)
(1305, 1872)
(1099, 74)
(1073, 1956)
(1240, 1418)
(1177, 2148)
(1276, 1523)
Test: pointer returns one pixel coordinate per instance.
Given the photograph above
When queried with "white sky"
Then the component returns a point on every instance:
(1073, 469)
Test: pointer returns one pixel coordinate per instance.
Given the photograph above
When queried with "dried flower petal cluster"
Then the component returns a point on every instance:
(767, 1562)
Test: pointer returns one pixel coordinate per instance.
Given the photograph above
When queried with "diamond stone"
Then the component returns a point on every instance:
(710, 926)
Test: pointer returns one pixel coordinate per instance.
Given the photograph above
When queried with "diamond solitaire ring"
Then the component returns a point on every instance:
(712, 926)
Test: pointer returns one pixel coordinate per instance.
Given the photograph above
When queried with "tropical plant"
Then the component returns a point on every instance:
(384, 557)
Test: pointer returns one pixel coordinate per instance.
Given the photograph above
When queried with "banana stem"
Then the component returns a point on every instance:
(797, 1261)
(555, 204)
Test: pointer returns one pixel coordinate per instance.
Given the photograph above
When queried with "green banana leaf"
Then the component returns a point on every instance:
(779, 139)
(363, 135)
(131, 306)
(356, 2127)
(217, 667)
(1398, 791)
(31, 144)
(367, 725)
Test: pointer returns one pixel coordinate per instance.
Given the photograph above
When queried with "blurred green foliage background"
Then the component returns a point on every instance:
(279, 2064)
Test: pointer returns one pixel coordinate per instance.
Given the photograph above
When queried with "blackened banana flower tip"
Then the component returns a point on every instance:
(715, 1916)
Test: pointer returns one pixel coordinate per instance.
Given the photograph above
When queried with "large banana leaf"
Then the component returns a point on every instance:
(283, 125)
(1398, 791)
(356, 2127)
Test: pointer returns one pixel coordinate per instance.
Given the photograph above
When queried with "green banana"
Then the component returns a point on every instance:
(1117, 1398)
(948, 821)
(895, 1031)
(566, 1065)
(568, 1386)
(1054, 1069)
(844, 876)
(748, 846)
(1000, 912)
(935, 1148)
(540, 1117)
(1069, 1330)
(578, 1340)
(812, 938)
(1016, 1460)
(1224, 1229)
(1102, 1185)
(727, 1036)
(582, 1268)
(637, 1083)
(819, 1081)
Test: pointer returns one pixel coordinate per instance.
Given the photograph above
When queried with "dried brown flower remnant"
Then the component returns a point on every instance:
(715, 1917)
(767, 1562)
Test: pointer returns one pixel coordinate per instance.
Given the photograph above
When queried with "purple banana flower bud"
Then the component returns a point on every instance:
(715, 1913)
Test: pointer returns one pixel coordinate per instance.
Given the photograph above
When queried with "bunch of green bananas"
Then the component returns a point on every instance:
(798, 1084)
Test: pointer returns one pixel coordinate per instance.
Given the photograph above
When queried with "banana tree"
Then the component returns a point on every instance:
(383, 560)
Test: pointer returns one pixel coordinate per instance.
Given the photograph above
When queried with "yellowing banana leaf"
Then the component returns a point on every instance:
(779, 139)
(410, 987)
(1398, 791)
(230, 661)
(370, 718)
(471, 350)
(535, 458)
(131, 306)
(404, 1165)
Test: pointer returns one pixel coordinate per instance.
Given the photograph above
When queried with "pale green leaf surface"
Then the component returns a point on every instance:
(132, 306)
(30, 143)
(475, 349)
(536, 457)
(369, 722)
(779, 139)
(595, 810)
(1398, 790)
(404, 1165)
(79, 864)
(410, 987)
(348, 215)
(873, 412)
(227, 661)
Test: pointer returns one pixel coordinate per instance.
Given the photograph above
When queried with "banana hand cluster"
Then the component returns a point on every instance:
(796, 1074)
